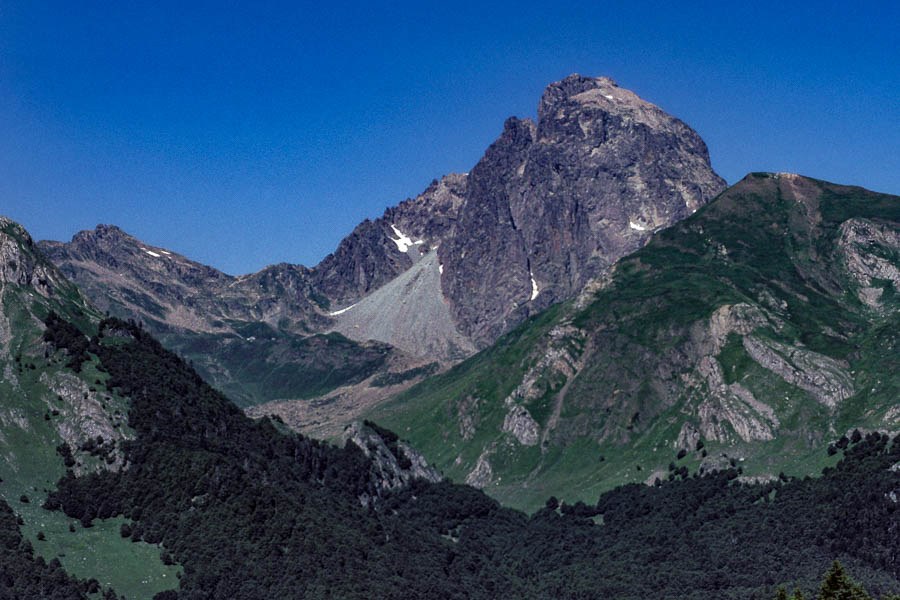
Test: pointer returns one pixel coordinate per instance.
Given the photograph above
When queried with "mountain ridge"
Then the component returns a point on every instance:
(528, 226)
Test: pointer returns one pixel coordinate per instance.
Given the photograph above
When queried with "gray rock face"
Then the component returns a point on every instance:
(552, 204)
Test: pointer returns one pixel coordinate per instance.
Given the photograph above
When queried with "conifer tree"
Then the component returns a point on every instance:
(838, 585)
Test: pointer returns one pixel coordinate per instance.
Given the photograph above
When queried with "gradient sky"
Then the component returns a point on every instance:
(245, 134)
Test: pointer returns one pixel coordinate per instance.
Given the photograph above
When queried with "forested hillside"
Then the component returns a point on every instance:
(252, 512)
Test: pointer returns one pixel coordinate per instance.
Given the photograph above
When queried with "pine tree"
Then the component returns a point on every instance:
(838, 585)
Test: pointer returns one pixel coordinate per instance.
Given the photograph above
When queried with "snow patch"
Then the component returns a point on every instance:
(607, 96)
(403, 241)
(636, 226)
(166, 253)
(152, 253)
(534, 287)
(441, 269)
(342, 311)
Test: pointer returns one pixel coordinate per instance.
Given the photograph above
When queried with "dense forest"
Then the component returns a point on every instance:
(254, 512)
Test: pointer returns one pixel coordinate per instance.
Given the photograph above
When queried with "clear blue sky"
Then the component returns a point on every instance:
(247, 133)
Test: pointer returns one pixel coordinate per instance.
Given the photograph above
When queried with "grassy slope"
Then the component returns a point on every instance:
(619, 408)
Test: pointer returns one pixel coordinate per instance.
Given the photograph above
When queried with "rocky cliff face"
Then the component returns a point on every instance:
(553, 203)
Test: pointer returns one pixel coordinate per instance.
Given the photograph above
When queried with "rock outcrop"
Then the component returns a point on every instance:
(869, 251)
(394, 462)
(21, 265)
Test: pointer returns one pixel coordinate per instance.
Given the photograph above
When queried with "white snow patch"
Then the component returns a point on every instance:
(152, 253)
(342, 311)
(404, 241)
(607, 96)
(164, 252)
(636, 226)
(441, 269)
(534, 288)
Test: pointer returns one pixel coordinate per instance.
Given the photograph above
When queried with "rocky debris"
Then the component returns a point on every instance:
(871, 251)
(557, 201)
(324, 417)
(394, 462)
(409, 313)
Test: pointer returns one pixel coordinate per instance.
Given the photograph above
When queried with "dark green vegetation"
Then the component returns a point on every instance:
(278, 365)
(251, 512)
(386, 379)
(837, 584)
(765, 326)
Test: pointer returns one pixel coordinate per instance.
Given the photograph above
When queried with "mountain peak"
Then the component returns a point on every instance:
(575, 84)
(560, 92)
(563, 199)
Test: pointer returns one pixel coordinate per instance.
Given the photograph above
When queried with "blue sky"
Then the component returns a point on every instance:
(245, 134)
